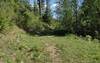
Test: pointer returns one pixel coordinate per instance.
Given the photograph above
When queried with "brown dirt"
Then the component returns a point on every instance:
(53, 52)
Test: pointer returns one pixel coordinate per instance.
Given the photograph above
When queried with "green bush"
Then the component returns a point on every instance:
(5, 24)
(55, 25)
(7, 15)
(33, 23)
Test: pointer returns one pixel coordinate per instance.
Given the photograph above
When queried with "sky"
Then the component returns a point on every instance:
(53, 4)
(80, 2)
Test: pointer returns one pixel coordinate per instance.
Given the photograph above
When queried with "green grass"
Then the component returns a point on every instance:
(77, 50)
(19, 47)
(23, 48)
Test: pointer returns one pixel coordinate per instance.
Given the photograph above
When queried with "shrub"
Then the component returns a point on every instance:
(5, 25)
(33, 23)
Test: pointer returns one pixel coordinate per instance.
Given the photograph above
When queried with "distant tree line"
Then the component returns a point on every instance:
(71, 17)
(78, 19)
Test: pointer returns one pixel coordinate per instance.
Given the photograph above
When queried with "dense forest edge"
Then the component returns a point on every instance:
(34, 32)
(71, 18)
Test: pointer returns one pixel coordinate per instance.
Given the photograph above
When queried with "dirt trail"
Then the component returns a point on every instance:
(53, 52)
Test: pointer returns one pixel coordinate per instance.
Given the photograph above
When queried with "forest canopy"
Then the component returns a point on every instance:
(39, 19)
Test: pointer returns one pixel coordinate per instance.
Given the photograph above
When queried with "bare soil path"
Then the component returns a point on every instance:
(53, 51)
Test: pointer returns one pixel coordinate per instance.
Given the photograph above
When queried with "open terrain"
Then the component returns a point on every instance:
(20, 47)
(49, 31)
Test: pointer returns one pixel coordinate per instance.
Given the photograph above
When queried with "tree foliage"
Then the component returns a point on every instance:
(71, 17)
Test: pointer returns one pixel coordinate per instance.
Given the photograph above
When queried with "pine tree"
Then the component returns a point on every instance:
(64, 13)
(36, 11)
(89, 17)
(47, 17)
(75, 11)
(41, 5)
